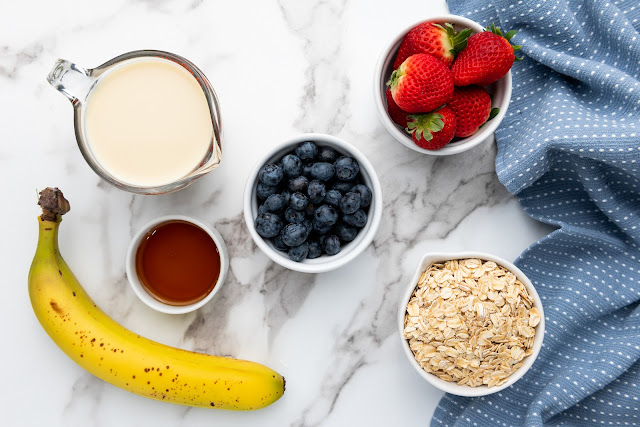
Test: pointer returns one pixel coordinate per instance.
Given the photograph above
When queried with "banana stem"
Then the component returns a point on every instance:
(53, 204)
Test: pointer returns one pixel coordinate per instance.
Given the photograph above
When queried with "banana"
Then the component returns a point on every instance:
(123, 358)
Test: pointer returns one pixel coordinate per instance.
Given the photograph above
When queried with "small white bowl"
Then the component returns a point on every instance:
(452, 387)
(350, 250)
(500, 91)
(142, 293)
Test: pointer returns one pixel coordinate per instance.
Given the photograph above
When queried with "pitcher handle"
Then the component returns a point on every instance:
(72, 81)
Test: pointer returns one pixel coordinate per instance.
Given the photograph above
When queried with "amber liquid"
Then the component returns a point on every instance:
(178, 263)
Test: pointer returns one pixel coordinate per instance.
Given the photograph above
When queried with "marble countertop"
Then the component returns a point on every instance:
(280, 68)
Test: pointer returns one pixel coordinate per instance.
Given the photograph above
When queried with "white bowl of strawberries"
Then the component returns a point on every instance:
(444, 84)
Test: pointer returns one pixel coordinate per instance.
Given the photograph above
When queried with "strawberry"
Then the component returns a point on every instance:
(486, 59)
(433, 131)
(396, 113)
(421, 83)
(472, 105)
(434, 39)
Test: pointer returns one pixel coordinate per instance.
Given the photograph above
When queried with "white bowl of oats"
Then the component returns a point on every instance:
(471, 324)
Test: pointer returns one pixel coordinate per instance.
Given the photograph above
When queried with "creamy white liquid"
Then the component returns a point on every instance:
(147, 122)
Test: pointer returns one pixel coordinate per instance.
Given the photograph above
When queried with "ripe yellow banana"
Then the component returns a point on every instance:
(109, 351)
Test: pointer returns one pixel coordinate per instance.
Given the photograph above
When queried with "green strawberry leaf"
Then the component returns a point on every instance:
(496, 30)
(395, 76)
(424, 125)
(459, 41)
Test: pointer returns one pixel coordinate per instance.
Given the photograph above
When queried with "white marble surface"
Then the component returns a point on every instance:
(280, 68)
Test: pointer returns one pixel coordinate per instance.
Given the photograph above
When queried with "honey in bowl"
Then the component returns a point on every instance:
(178, 263)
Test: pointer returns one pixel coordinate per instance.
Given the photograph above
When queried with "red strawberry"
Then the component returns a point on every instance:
(486, 59)
(421, 83)
(472, 105)
(433, 131)
(396, 113)
(434, 39)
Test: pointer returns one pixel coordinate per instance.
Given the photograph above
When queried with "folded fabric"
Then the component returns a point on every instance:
(569, 149)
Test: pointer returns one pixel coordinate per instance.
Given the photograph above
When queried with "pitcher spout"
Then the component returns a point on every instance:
(70, 80)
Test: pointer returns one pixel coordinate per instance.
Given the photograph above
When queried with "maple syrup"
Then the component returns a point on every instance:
(178, 263)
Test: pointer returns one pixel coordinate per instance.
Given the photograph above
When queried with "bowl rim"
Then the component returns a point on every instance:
(144, 296)
(452, 387)
(342, 258)
(460, 146)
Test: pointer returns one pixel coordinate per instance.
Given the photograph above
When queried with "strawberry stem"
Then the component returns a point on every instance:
(424, 125)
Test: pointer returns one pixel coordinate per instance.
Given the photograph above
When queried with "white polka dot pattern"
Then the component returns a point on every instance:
(569, 149)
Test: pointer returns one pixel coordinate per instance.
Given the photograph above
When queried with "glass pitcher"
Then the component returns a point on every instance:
(76, 83)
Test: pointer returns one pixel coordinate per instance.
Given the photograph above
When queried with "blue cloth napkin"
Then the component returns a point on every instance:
(569, 149)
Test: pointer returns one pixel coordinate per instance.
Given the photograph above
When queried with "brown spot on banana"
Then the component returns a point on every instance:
(54, 305)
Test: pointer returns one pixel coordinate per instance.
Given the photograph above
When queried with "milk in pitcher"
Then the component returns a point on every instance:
(147, 122)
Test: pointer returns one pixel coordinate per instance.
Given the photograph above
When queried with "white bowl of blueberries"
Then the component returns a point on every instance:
(313, 203)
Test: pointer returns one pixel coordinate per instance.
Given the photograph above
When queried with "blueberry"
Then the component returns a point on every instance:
(279, 244)
(307, 150)
(268, 225)
(291, 165)
(298, 201)
(365, 194)
(293, 216)
(322, 171)
(321, 228)
(332, 245)
(327, 154)
(294, 234)
(357, 219)
(350, 203)
(347, 168)
(274, 203)
(306, 170)
(262, 209)
(316, 191)
(333, 198)
(300, 252)
(345, 232)
(299, 183)
(287, 195)
(263, 190)
(315, 250)
(325, 215)
(270, 174)
(343, 187)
